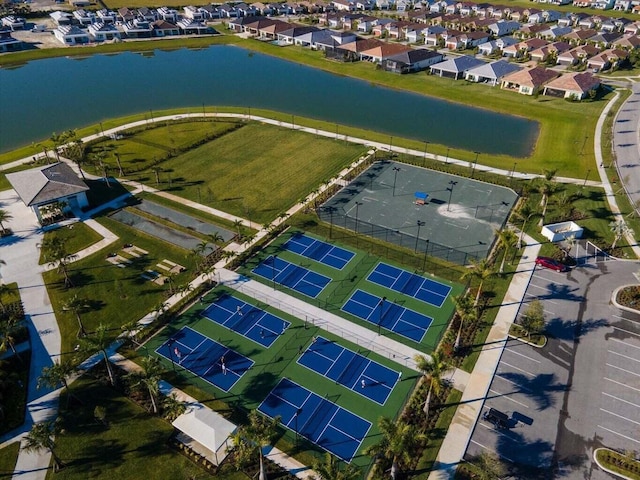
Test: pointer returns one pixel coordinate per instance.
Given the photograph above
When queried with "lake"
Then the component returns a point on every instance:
(58, 94)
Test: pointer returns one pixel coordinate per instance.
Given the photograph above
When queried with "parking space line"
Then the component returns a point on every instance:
(513, 366)
(491, 450)
(507, 396)
(623, 369)
(619, 434)
(622, 384)
(624, 343)
(508, 349)
(625, 331)
(620, 416)
(514, 383)
(495, 430)
(621, 399)
(625, 356)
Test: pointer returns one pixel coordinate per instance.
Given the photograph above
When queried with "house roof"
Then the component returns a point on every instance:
(163, 25)
(414, 55)
(385, 50)
(361, 44)
(533, 77)
(497, 69)
(575, 82)
(458, 64)
(46, 184)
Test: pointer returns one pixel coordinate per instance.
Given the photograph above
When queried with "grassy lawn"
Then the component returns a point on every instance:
(258, 171)
(115, 296)
(8, 457)
(133, 444)
(76, 237)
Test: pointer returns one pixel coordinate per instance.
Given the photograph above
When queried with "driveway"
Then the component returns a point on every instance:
(577, 393)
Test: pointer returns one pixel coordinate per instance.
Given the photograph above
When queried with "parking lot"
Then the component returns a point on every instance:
(577, 393)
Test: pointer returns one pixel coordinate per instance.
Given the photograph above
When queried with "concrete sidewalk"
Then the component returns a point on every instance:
(457, 438)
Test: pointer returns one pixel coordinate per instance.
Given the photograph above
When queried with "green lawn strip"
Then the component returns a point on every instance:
(8, 458)
(115, 295)
(618, 463)
(167, 223)
(76, 236)
(11, 294)
(195, 213)
(291, 164)
(352, 277)
(14, 392)
(518, 332)
(133, 444)
(279, 361)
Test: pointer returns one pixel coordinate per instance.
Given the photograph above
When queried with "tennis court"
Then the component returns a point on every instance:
(292, 276)
(407, 283)
(203, 357)
(319, 251)
(350, 369)
(246, 319)
(388, 315)
(317, 419)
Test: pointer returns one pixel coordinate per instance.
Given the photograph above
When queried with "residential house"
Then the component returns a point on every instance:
(168, 14)
(491, 73)
(466, 40)
(580, 36)
(126, 15)
(189, 26)
(607, 59)
(239, 24)
(344, 5)
(335, 40)
(263, 9)
(192, 13)
(551, 16)
(577, 54)
(254, 25)
(163, 28)
(366, 23)
(633, 28)
(103, 32)
(530, 30)
(433, 35)
(414, 60)
(602, 4)
(628, 42)
(396, 29)
(529, 81)
(84, 17)
(7, 42)
(521, 49)
(605, 40)
(14, 23)
(572, 85)
(380, 53)
(246, 10)
(503, 27)
(455, 68)
(622, 5)
(71, 35)
(106, 16)
(137, 28)
(272, 31)
(547, 52)
(148, 14)
(289, 36)
(80, 3)
(228, 11)
(554, 32)
(352, 51)
(415, 33)
(497, 45)
(311, 38)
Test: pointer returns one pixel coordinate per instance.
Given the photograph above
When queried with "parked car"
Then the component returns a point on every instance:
(551, 264)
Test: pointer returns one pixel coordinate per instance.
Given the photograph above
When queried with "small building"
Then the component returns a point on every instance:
(7, 42)
(528, 82)
(163, 28)
(45, 186)
(13, 22)
(572, 85)
(414, 60)
(103, 32)
(456, 68)
(491, 73)
(71, 35)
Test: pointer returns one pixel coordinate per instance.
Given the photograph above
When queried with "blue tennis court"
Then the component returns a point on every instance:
(293, 276)
(350, 369)
(388, 315)
(417, 286)
(246, 319)
(319, 251)
(205, 358)
(317, 419)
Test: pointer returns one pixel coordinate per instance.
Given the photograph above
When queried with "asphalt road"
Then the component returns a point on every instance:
(625, 140)
(577, 393)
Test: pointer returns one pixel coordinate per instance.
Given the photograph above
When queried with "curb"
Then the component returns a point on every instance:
(605, 469)
(614, 295)
(521, 339)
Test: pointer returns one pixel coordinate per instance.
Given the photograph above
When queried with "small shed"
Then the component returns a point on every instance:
(557, 232)
(421, 198)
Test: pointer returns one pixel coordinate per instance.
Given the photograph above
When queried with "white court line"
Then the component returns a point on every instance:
(627, 331)
(623, 369)
(619, 434)
(508, 397)
(625, 356)
(621, 399)
(620, 416)
(622, 384)
(514, 383)
(513, 366)
(510, 350)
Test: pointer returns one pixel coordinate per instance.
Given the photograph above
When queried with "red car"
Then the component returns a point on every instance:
(551, 264)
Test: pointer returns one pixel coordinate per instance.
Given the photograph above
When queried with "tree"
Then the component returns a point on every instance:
(56, 254)
(479, 270)
(58, 141)
(99, 342)
(620, 229)
(57, 374)
(251, 437)
(148, 377)
(172, 408)
(329, 469)
(532, 321)
(4, 290)
(397, 445)
(156, 170)
(507, 239)
(432, 370)
(215, 238)
(77, 306)
(490, 466)
(5, 216)
(525, 213)
(546, 187)
(8, 328)
(237, 224)
(466, 313)
(42, 436)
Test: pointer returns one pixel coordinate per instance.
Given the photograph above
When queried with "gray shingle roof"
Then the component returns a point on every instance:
(46, 184)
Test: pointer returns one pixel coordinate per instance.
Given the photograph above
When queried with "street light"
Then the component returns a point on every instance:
(330, 221)
(382, 300)
(357, 207)
(273, 271)
(450, 188)
(473, 170)
(446, 160)
(395, 177)
(390, 142)
(586, 177)
(420, 224)
(424, 260)
(425, 151)
(101, 129)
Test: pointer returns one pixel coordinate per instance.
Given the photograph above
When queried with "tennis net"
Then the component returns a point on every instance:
(312, 417)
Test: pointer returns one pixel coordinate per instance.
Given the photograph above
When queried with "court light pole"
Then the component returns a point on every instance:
(424, 260)
(424, 158)
(450, 188)
(382, 300)
(273, 271)
(395, 177)
(357, 208)
(170, 344)
(446, 160)
(298, 411)
(586, 177)
(475, 162)
(420, 223)
(390, 143)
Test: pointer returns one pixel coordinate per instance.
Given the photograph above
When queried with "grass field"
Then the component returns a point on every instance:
(8, 457)
(280, 361)
(258, 171)
(76, 237)
(115, 296)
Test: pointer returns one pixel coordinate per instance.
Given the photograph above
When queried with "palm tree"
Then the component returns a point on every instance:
(57, 374)
(172, 408)
(432, 370)
(215, 238)
(507, 239)
(490, 465)
(479, 270)
(98, 342)
(76, 152)
(184, 289)
(397, 445)
(77, 306)
(120, 171)
(466, 313)
(255, 435)
(525, 213)
(156, 170)
(546, 188)
(4, 217)
(149, 377)
(237, 224)
(58, 141)
(56, 255)
(620, 229)
(42, 436)
(329, 469)
(8, 327)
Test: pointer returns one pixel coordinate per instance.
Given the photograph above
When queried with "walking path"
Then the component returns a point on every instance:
(457, 438)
